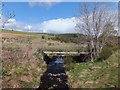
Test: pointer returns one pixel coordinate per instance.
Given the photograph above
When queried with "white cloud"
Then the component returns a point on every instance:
(51, 26)
(19, 26)
(28, 27)
(59, 25)
(48, 3)
(13, 24)
(0, 21)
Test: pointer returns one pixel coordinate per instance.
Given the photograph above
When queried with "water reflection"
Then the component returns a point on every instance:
(55, 76)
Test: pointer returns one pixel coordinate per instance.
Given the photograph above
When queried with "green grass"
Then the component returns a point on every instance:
(88, 75)
(17, 32)
(64, 48)
(102, 74)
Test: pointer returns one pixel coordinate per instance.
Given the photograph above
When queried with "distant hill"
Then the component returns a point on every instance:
(74, 38)
(67, 38)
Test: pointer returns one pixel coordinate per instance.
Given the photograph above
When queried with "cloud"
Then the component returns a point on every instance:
(59, 25)
(28, 27)
(51, 26)
(56, 26)
(0, 21)
(13, 24)
(19, 26)
(48, 3)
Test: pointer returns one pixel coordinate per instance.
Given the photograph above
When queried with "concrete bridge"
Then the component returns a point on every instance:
(65, 53)
(55, 77)
(76, 56)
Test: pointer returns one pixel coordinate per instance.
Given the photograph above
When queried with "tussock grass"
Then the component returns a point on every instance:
(103, 74)
(22, 66)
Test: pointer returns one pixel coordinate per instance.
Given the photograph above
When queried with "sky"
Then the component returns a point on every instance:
(44, 17)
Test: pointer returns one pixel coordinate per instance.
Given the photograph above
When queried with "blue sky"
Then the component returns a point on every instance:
(45, 15)
(39, 13)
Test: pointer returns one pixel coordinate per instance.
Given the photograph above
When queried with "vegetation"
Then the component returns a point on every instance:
(22, 56)
(98, 24)
(23, 63)
(20, 69)
(9, 15)
(103, 74)
(74, 38)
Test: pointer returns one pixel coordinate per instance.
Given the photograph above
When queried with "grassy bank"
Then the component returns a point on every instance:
(102, 74)
(23, 66)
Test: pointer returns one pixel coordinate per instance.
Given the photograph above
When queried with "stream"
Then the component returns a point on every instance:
(55, 76)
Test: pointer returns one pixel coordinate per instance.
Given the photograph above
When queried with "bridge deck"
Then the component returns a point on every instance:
(48, 52)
